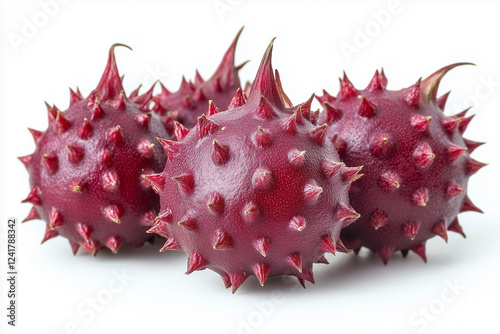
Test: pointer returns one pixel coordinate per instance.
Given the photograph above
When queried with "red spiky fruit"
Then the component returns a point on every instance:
(192, 98)
(416, 163)
(255, 190)
(85, 172)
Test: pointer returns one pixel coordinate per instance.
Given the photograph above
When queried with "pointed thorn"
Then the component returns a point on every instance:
(312, 191)
(32, 215)
(157, 181)
(347, 89)
(366, 108)
(332, 114)
(454, 190)
(196, 262)
(50, 163)
(318, 133)
(145, 149)
(420, 123)
(250, 212)
(74, 247)
(327, 244)
(261, 270)
(423, 155)
(91, 247)
(411, 95)
(347, 214)
(440, 230)
(237, 279)
(180, 131)
(159, 228)
(385, 253)
(455, 152)
(188, 222)
(262, 179)
(350, 174)
(420, 197)
(298, 223)
(331, 168)
(212, 109)
(420, 251)
(215, 203)
(238, 100)
(441, 101)
(143, 120)
(171, 147)
(205, 127)
(378, 219)
(410, 229)
(467, 205)
(472, 145)
(113, 243)
(220, 155)
(26, 160)
(455, 227)
(33, 197)
(110, 181)
(49, 234)
(75, 153)
(390, 181)
(84, 230)
(85, 131)
(185, 182)
(113, 213)
(62, 124)
(323, 260)
(55, 218)
(472, 166)
(295, 260)
(170, 244)
(37, 135)
(222, 240)
(296, 157)
(262, 246)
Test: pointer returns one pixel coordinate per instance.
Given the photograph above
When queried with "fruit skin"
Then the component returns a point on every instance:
(190, 101)
(85, 172)
(255, 190)
(415, 160)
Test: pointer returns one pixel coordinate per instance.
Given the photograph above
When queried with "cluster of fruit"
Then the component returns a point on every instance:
(248, 182)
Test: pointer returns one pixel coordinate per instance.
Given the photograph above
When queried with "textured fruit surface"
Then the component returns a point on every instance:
(192, 98)
(85, 172)
(255, 190)
(415, 160)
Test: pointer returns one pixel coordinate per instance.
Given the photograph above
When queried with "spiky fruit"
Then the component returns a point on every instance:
(255, 190)
(85, 172)
(192, 98)
(416, 163)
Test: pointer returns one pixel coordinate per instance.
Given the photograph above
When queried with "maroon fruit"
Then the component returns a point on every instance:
(85, 172)
(255, 190)
(192, 98)
(416, 162)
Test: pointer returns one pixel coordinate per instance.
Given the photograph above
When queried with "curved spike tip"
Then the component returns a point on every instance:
(110, 85)
(430, 84)
(265, 82)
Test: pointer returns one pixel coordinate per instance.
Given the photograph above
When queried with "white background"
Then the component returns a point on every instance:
(171, 38)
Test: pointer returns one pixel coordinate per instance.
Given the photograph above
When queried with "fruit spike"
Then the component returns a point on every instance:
(190, 101)
(85, 174)
(416, 163)
(264, 188)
